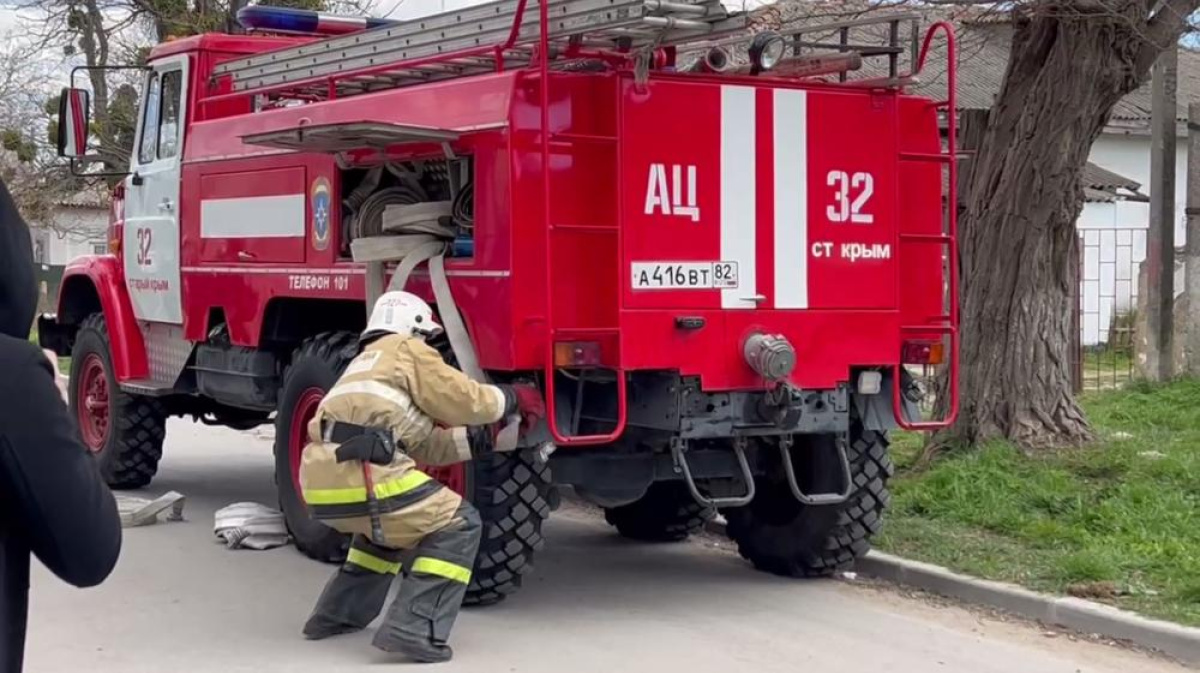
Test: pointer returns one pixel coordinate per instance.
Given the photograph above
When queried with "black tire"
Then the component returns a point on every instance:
(666, 513)
(780, 535)
(132, 446)
(316, 364)
(511, 492)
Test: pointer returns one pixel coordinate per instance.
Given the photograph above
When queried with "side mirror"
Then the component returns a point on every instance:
(74, 118)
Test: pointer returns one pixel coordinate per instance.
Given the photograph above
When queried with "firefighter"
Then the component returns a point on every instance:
(397, 402)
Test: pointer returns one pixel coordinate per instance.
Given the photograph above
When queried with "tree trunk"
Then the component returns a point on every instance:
(1018, 243)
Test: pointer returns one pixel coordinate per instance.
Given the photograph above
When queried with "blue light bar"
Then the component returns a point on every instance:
(289, 21)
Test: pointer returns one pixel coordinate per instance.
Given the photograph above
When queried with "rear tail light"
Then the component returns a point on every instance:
(922, 353)
(577, 354)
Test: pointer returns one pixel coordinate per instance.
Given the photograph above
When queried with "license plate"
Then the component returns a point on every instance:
(685, 275)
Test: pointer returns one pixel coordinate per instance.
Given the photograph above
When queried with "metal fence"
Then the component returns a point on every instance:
(1107, 307)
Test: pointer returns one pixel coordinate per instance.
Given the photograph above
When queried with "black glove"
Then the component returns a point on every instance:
(481, 439)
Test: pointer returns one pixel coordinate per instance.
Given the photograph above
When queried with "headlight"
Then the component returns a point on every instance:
(766, 50)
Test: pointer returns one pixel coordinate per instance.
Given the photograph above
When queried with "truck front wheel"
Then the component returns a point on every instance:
(780, 535)
(315, 368)
(124, 432)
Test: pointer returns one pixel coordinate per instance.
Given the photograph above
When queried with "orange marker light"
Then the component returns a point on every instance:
(576, 354)
(923, 353)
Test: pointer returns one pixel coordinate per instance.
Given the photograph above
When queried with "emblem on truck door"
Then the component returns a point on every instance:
(680, 199)
(320, 203)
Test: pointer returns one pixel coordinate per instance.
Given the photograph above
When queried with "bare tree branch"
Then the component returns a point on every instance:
(1164, 28)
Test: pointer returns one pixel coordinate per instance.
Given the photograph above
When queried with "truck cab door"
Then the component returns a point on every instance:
(151, 236)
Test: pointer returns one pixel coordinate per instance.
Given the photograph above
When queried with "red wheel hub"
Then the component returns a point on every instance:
(305, 409)
(93, 403)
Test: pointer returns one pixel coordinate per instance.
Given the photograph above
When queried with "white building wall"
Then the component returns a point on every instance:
(1129, 156)
(1113, 235)
(73, 233)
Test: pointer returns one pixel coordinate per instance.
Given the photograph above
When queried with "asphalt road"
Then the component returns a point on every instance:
(179, 601)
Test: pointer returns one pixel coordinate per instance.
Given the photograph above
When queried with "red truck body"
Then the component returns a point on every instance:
(832, 287)
(677, 216)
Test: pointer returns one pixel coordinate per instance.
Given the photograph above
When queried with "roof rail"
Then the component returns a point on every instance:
(475, 40)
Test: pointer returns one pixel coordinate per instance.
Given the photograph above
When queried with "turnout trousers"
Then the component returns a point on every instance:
(434, 581)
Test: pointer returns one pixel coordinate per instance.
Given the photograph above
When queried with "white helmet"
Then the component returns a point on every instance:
(401, 313)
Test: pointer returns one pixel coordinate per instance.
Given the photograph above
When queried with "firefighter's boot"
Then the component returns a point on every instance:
(355, 595)
(419, 621)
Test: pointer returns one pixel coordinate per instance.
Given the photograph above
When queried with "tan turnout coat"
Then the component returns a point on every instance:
(401, 384)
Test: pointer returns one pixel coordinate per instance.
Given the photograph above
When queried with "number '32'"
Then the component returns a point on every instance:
(851, 192)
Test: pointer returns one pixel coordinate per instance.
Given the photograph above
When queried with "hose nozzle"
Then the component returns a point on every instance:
(716, 59)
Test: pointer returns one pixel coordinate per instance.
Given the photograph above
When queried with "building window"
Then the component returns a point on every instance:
(99, 248)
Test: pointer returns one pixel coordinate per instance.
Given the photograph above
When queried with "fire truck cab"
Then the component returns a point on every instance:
(718, 273)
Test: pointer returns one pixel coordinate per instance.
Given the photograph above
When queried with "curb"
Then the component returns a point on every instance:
(1180, 642)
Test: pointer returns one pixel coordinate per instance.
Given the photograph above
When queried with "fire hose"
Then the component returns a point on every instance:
(412, 234)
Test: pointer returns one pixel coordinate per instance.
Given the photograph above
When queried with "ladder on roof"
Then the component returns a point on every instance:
(476, 40)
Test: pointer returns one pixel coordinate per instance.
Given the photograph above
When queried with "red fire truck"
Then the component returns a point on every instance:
(716, 250)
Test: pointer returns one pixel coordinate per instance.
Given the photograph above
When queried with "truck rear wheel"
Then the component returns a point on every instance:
(124, 432)
(511, 492)
(780, 535)
(315, 368)
(667, 513)
(512, 495)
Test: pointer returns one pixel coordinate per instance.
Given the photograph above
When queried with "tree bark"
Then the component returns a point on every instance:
(1070, 64)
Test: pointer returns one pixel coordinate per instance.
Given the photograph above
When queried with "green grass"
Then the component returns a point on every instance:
(1123, 513)
(1120, 361)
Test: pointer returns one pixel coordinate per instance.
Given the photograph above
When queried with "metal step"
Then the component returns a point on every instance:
(413, 45)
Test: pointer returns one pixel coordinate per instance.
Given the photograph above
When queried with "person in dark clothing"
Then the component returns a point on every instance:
(53, 501)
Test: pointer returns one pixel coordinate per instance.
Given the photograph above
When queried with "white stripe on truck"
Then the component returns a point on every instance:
(791, 198)
(253, 217)
(738, 195)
